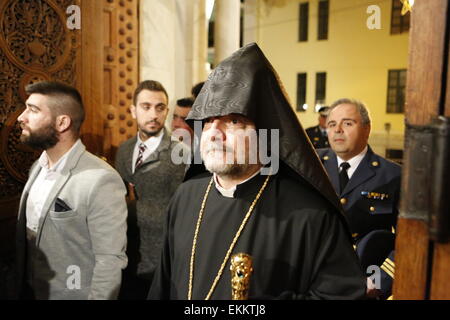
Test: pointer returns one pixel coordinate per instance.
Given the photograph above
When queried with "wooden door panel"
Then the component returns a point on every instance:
(120, 71)
(417, 258)
(411, 260)
(440, 282)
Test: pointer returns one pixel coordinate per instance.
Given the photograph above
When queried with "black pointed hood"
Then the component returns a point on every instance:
(246, 83)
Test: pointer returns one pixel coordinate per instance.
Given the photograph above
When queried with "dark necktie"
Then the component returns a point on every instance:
(343, 176)
(140, 157)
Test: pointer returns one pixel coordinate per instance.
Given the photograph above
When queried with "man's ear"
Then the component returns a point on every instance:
(63, 123)
(368, 128)
(133, 111)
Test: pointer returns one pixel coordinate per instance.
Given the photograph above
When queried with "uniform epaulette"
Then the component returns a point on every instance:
(388, 267)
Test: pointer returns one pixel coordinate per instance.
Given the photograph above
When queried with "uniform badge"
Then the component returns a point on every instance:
(374, 195)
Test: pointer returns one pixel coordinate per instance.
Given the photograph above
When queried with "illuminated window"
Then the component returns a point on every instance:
(399, 23)
(321, 87)
(303, 22)
(322, 31)
(396, 91)
(301, 91)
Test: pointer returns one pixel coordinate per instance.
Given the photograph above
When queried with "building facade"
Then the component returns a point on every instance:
(326, 50)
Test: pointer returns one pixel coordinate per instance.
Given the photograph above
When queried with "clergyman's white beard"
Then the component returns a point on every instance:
(215, 162)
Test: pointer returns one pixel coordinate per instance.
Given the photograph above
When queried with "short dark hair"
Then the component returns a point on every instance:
(64, 99)
(151, 85)
(197, 88)
(185, 102)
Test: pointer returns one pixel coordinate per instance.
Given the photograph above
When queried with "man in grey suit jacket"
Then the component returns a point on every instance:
(71, 230)
(146, 165)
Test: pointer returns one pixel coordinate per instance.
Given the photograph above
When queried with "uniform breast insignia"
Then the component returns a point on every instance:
(374, 195)
(316, 138)
(326, 158)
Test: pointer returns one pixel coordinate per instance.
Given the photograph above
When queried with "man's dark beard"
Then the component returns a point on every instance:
(149, 134)
(43, 138)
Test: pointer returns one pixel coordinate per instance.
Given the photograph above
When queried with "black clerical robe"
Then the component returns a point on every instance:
(298, 242)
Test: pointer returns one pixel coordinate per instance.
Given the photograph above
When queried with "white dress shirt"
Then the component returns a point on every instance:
(42, 186)
(353, 162)
(151, 144)
(229, 193)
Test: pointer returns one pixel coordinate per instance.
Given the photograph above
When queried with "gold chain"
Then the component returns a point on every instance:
(233, 243)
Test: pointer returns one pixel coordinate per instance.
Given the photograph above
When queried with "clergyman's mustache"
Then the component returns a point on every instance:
(214, 148)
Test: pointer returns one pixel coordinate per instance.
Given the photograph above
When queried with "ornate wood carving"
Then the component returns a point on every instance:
(121, 56)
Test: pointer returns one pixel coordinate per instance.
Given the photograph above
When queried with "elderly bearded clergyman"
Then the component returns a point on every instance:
(288, 221)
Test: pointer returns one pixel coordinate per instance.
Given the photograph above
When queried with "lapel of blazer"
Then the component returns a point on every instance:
(35, 169)
(363, 173)
(64, 175)
(332, 169)
(154, 156)
(127, 153)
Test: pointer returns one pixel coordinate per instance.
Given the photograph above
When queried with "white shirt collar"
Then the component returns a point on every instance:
(59, 165)
(151, 144)
(229, 193)
(353, 162)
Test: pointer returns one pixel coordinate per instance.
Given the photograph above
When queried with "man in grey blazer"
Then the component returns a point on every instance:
(146, 165)
(71, 230)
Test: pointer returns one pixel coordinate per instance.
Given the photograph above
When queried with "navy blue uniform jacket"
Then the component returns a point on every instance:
(370, 199)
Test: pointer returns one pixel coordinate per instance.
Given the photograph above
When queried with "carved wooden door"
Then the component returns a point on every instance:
(422, 254)
(120, 71)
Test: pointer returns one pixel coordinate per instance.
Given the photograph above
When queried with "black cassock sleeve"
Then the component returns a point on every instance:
(339, 275)
(335, 270)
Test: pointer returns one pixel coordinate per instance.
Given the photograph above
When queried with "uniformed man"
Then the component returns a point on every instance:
(377, 249)
(367, 184)
(318, 134)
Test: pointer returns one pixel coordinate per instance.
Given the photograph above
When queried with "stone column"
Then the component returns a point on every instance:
(251, 16)
(157, 30)
(173, 45)
(226, 28)
(200, 42)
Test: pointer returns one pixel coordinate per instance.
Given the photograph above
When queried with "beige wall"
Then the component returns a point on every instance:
(355, 58)
(173, 45)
